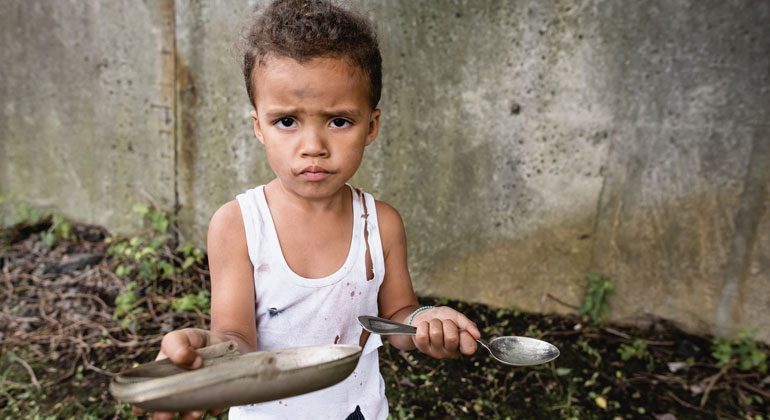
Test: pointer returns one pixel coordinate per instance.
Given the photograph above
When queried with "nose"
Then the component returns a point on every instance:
(314, 143)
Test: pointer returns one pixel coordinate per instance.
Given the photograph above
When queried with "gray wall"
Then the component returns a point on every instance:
(525, 143)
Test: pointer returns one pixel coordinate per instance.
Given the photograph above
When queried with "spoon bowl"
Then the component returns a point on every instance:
(520, 351)
(510, 350)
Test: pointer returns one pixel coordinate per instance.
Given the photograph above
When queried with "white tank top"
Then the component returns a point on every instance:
(294, 311)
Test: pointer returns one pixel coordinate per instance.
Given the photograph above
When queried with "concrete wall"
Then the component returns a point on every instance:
(525, 143)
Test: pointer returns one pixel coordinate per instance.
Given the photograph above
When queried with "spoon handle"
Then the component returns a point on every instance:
(384, 326)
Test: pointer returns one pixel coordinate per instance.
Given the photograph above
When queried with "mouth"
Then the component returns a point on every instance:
(314, 173)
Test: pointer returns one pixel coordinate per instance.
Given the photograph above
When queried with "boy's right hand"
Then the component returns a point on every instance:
(180, 346)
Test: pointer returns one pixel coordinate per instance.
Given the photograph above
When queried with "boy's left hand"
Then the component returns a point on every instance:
(444, 333)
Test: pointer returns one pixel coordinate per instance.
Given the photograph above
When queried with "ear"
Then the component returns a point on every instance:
(374, 127)
(257, 127)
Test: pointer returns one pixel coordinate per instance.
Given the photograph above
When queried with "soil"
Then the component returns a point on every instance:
(61, 341)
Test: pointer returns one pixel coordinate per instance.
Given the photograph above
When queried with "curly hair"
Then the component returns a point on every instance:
(307, 29)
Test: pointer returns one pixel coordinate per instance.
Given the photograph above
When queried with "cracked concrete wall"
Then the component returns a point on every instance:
(525, 144)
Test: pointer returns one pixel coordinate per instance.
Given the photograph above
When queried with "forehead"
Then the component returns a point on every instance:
(322, 80)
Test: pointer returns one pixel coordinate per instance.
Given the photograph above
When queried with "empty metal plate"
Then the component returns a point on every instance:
(227, 378)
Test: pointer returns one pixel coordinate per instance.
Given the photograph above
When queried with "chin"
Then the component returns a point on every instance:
(315, 190)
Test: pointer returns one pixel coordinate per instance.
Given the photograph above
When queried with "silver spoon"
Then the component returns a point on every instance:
(511, 350)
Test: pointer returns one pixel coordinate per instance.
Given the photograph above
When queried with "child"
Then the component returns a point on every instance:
(296, 261)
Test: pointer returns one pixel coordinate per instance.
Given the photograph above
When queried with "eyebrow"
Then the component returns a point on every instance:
(349, 113)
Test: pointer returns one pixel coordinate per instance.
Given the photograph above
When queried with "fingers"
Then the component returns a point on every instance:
(446, 333)
(179, 346)
(468, 344)
(463, 323)
(438, 338)
(451, 336)
(193, 415)
(468, 335)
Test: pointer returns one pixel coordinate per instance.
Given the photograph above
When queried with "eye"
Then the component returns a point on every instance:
(285, 122)
(340, 122)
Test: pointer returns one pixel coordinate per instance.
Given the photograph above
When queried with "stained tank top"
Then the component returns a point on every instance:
(294, 311)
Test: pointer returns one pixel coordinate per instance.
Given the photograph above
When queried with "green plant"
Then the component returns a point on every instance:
(192, 255)
(637, 350)
(586, 347)
(124, 306)
(199, 302)
(742, 349)
(595, 305)
(60, 229)
(151, 256)
(22, 215)
(143, 255)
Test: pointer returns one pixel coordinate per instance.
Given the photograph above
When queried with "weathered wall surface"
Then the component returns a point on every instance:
(688, 166)
(87, 124)
(525, 143)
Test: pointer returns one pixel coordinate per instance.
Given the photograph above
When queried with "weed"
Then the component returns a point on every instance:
(149, 257)
(60, 229)
(595, 305)
(124, 306)
(586, 347)
(199, 302)
(637, 350)
(743, 349)
(23, 215)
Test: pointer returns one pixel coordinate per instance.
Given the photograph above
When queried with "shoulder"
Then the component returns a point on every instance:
(391, 226)
(226, 226)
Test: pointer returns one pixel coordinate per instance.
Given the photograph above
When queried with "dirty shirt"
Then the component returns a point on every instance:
(294, 311)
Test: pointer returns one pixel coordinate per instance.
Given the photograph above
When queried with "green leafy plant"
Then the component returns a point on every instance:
(637, 350)
(742, 349)
(591, 351)
(143, 255)
(150, 256)
(199, 302)
(23, 215)
(595, 305)
(60, 229)
(125, 310)
(192, 255)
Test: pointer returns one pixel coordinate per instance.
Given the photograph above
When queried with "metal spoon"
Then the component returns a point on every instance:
(511, 350)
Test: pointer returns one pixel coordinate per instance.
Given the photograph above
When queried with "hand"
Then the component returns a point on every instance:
(444, 333)
(179, 346)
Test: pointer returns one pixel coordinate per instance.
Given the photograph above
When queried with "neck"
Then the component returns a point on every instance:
(278, 195)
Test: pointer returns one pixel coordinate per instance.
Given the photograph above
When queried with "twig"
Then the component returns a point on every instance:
(618, 333)
(752, 388)
(648, 342)
(29, 371)
(89, 366)
(559, 301)
(713, 380)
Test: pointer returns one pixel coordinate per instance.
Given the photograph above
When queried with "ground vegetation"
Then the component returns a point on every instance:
(79, 305)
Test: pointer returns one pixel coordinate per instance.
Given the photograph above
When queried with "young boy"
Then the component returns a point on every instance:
(296, 261)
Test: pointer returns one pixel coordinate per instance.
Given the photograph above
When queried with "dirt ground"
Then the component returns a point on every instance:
(76, 310)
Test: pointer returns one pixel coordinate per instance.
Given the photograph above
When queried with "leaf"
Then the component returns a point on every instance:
(601, 402)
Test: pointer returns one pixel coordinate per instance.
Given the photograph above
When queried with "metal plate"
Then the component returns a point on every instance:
(227, 379)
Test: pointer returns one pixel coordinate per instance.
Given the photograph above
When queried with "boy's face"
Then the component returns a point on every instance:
(315, 120)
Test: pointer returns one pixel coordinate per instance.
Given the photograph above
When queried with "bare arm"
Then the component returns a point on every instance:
(232, 294)
(232, 279)
(442, 332)
(396, 299)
